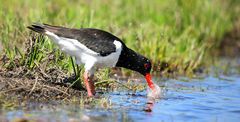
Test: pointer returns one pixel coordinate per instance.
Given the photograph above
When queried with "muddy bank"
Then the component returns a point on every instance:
(36, 85)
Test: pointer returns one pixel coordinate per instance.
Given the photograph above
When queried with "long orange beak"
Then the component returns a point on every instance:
(149, 81)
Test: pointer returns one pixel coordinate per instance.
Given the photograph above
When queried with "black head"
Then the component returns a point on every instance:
(134, 61)
(144, 66)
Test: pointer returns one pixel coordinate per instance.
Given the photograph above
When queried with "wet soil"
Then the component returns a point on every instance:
(36, 87)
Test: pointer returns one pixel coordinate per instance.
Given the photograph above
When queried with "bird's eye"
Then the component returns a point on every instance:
(146, 66)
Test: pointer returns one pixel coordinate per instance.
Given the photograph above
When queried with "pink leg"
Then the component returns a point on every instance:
(89, 84)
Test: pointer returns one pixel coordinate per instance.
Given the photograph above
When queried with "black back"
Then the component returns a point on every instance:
(97, 40)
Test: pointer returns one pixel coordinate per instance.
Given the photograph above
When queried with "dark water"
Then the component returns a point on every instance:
(209, 99)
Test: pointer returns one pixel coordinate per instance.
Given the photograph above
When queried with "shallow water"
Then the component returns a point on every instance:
(207, 99)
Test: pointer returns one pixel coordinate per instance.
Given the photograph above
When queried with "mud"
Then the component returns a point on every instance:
(36, 85)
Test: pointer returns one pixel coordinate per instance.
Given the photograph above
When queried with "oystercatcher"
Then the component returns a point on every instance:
(96, 48)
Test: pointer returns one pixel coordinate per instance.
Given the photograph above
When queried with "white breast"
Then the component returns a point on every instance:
(110, 60)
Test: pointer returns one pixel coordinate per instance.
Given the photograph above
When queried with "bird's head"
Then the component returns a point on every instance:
(144, 67)
(131, 60)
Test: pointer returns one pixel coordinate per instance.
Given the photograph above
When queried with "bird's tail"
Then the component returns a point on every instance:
(37, 28)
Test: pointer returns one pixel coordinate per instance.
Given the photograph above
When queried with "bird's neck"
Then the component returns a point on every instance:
(129, 59)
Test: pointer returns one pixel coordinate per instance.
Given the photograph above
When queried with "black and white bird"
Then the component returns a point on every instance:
(96, 48)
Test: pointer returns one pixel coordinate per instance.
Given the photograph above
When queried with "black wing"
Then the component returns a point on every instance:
(97, 40)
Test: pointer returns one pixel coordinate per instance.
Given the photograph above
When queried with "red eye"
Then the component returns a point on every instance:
(146, 66)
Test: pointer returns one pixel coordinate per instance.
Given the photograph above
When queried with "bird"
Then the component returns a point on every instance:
(96, 48)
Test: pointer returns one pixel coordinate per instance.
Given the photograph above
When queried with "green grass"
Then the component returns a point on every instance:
(175, 31)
